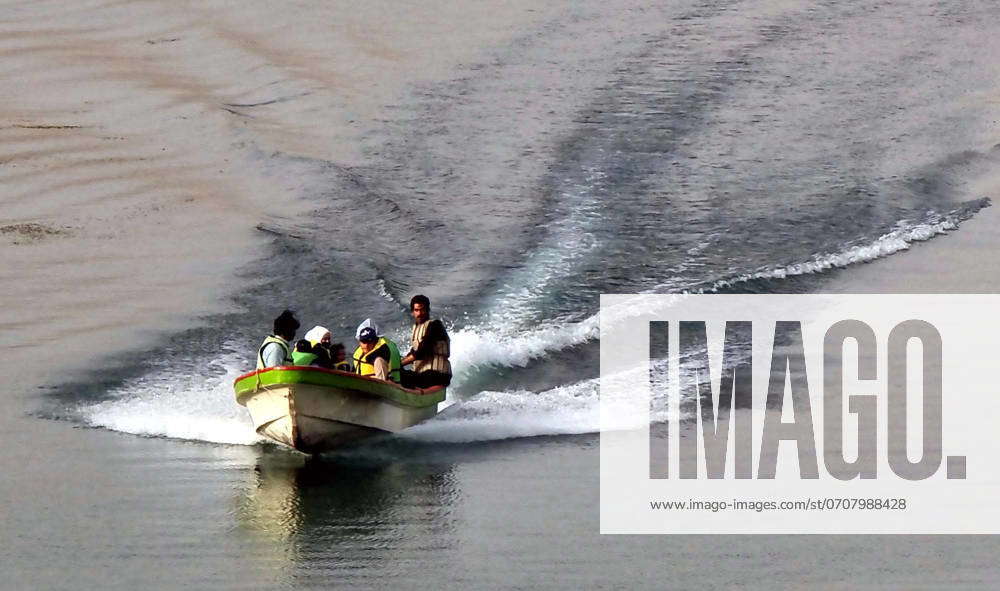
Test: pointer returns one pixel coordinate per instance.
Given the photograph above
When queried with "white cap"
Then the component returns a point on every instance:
(368, 323)
(316, 334)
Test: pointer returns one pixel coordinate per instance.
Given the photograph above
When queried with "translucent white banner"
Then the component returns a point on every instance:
(800, 414)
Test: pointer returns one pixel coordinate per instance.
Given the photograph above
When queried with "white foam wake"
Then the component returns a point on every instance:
(897, 240)
(185, 406)
(569, 240)
(181, 406)
(503, 415)
(482, 346)
(566, 410)
(478, 347)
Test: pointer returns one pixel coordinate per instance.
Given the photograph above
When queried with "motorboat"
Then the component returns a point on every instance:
(312, 409)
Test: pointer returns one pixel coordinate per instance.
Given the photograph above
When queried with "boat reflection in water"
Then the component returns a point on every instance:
(347, 515)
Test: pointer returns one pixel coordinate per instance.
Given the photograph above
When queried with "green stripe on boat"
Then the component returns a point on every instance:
(279, 377)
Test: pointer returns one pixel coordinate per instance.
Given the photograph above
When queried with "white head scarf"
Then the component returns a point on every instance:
(316, 334)
(367, 323)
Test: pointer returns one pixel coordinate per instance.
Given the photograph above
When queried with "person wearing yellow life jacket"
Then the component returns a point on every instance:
(430, 348)
(376, 356)
(276, 350)
(339, 357)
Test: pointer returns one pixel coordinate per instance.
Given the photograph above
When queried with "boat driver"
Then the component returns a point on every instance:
(430, 348)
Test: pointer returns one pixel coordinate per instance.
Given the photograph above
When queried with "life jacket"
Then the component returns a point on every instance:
(284, 346)
(300, 358)
(343, 365)
(438, 360)
(365, 367)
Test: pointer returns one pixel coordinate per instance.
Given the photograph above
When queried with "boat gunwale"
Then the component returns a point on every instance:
(371, 381)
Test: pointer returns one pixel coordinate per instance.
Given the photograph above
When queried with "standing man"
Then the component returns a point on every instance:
(276, 349)
(430, 348)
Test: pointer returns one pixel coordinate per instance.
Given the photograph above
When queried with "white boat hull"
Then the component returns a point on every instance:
(313, 418)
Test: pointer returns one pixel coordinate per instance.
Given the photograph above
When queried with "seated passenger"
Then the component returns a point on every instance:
(338, 355)
(276, 350)
(303, 353)
(376, 356)
(319, 338)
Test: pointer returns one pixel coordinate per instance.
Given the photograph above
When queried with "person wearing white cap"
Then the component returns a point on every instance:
(318, 334)
(376, 356)
(319, 341)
